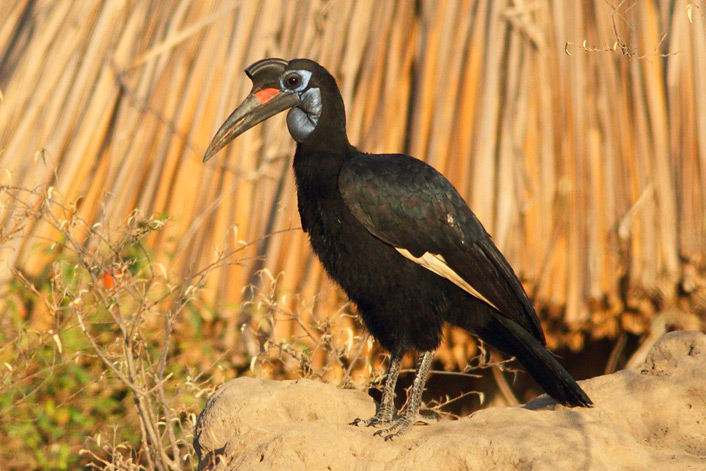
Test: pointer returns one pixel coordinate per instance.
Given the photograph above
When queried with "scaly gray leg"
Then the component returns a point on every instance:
(401, 424)
(386, 408)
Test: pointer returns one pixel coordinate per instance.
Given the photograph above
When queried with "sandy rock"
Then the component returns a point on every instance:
(653, 417)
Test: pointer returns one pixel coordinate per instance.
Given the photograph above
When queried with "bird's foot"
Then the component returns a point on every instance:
(398, 427)
(380, 419)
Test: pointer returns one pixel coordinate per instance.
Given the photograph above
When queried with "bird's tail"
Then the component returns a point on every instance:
(512, 339)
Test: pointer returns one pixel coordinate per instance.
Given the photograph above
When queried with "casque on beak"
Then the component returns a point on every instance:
(266, 99)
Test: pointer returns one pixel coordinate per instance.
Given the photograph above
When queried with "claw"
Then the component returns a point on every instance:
(377, 420)
(397, 428)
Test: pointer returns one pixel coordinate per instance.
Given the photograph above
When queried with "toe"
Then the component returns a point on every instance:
(377, 420)
(397, 428)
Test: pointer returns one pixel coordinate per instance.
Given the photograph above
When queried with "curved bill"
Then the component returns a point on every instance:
(256, 108)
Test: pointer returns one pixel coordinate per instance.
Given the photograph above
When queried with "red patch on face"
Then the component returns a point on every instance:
(266, 94)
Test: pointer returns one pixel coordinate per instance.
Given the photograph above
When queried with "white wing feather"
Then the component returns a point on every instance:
(436, 263)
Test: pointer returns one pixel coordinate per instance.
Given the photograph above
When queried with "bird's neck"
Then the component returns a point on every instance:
(329, 130)
(316, 166)
(321, 154)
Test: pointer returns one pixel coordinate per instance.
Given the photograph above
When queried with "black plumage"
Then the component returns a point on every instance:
(397, 237)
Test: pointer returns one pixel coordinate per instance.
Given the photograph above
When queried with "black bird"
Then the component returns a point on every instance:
(397, 237)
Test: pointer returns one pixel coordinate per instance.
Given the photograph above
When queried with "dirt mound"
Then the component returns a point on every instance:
(650, 417)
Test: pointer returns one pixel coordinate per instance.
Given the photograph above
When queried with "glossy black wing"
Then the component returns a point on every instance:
(409, 205)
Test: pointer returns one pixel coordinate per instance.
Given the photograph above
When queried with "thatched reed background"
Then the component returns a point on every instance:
(576, 130)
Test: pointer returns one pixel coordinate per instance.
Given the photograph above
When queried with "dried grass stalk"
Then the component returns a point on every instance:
(576, 133)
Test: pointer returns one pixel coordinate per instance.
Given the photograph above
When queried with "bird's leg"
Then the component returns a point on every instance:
(402, 423)
(386, 409)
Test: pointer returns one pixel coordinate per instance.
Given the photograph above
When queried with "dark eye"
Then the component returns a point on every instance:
(292, 80)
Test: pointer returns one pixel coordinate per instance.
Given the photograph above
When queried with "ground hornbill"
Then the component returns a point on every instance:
(397, 237)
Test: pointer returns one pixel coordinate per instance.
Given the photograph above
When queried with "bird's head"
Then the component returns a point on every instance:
(301, 86)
